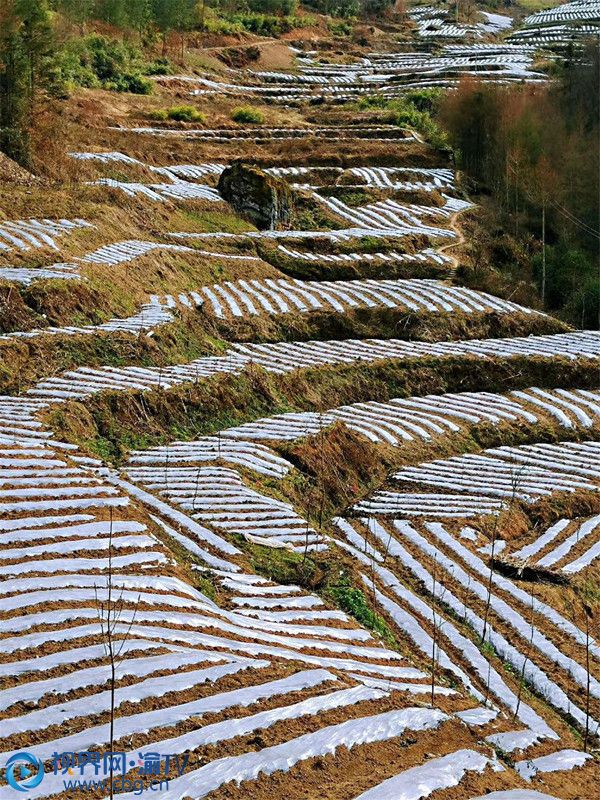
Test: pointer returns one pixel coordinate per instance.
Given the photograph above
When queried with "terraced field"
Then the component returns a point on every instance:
(286, 510)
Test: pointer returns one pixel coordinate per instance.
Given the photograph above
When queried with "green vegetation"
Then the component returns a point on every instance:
(247, 114)
(531, 6)
(179, 114)
(214, 221)
(148, 17)
(415, 109)
(274, 17)
(354, 602)
(263, 17)
(281, 7)
(46, 47)
(160, 66)
(572, 282)
(97, 61)
(350, 8)
(268, 24)
(543, 178)
(340, 27)
(281, 565)
(137, 15)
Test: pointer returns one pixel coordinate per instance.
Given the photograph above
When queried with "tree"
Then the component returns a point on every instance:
(25, 44)
(172, 15)
(115, 12)
(35, 33)
(110, 614)
(526, 657)
(400, 8)
(544, 175)
(79, 12)
(336, 8)
(588, 615)
(138, 14)
(373, 8)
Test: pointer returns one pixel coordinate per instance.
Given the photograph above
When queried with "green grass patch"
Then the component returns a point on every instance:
(205, 586)
(415, 109)
(279, 565)
(215, 221)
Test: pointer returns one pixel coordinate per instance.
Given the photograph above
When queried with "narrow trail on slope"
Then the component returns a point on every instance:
(452, 223)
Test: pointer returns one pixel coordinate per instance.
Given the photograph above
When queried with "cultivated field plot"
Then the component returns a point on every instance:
(218, 495)
(296, 502)
(385, 218)
(25, 234)
(150, 316)
(436, 23)
(431, 416)
(285, 357)
(570, 24)
(384, 74)
(254, 297)
(282, 358)
(187, 657)
(494, 479)
(461, 601)
(225, 135)
(568, 545)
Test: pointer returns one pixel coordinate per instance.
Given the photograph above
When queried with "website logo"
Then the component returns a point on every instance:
(24, 772)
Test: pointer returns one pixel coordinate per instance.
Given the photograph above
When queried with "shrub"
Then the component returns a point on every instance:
(248, 114)
(422, 122)
(109, 58)
(185, 114)
(335, 8)
(213, 23)
(178, 113)
(376, 7)
(268, 24)
(97, 61)
(134, 83)
(73, 67)
(161, 66)
(339, 28)
(425, 99)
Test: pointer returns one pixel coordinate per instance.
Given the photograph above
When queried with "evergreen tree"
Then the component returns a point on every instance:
(25, 45)
(78, 12)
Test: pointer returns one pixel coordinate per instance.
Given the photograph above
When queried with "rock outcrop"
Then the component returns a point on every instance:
(263, 199)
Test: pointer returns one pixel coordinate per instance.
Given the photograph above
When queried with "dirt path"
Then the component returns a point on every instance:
(260, 43)
(461, 240)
